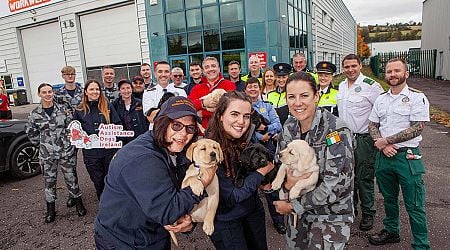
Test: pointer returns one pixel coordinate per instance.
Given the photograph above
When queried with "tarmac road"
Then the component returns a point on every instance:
(22, 206)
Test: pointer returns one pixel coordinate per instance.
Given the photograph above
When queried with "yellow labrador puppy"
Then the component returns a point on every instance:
(205, 155)
(301, 158)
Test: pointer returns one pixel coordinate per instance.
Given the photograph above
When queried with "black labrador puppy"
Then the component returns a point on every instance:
(253, 157)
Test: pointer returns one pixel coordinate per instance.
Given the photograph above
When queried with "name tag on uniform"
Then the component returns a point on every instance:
(333, 138)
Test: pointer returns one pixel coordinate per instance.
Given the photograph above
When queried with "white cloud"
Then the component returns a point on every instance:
(383, 11)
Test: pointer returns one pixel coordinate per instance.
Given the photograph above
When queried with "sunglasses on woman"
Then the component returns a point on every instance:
(178, 126)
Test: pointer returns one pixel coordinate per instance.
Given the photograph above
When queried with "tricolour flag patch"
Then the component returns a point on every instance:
(333, 138)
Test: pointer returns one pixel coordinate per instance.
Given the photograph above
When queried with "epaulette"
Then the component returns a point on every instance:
(151, 89)
(178, 87)
(268, 102)
(384, 93)
(414, 90)
(369, 81)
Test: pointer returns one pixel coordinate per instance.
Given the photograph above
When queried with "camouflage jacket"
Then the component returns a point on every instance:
(50, 133)
(62, 97)
(332, 199)
(111, 94)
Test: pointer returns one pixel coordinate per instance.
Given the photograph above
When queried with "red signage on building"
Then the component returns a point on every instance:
(262, 58)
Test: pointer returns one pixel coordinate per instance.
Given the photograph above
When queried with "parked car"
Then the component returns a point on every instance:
(17, 155)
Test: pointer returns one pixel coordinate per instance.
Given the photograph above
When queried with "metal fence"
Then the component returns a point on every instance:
(421, 63)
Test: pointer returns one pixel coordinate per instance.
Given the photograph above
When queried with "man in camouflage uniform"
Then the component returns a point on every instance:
(72, 92)
(324, 214)
(109, 88)
(71, 95)
(47, 129)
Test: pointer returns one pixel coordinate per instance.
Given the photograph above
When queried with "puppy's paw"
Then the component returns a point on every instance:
(294, 193)
(197, 187)
(208, 228)
(276, 184)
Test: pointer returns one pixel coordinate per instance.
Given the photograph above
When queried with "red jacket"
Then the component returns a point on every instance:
(203, 89)
(3, 102)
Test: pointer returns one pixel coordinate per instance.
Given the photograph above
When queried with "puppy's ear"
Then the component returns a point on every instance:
(190, 151)
(220, 153)
(309, 157)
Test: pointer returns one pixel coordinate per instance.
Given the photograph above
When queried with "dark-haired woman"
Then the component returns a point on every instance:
(143, 196)
(324, 214)
(47, 129)
(129, 109)
(94, 110)
(240, 221)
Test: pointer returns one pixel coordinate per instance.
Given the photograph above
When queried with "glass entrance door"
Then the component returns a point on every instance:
(182, 62)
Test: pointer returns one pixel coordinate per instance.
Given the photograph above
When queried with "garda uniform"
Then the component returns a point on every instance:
(355, 104)
(325, 214)
(312, 73)
(111, 94)
(245, 77)
(394, 113)
(50, 133)
(328, 95)
(62, 96)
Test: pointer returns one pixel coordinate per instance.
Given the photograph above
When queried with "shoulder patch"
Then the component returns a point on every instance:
(369, 81)
(414, 90)
(333, 138)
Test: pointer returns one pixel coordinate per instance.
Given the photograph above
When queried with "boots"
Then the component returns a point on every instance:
(71, 202)
(51, 213)
(81, 210)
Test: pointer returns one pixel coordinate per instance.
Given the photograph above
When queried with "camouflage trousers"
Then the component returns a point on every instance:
(317, 234)
(50, 173)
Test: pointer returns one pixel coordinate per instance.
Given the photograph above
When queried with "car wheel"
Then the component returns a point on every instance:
(25, 160)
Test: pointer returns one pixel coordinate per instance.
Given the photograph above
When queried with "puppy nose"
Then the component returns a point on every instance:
(212, 154)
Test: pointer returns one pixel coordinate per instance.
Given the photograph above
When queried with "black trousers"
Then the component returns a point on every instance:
(248, 232)
(276, 217)
(97, 168)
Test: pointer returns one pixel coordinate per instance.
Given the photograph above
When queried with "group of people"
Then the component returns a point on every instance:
(357, 131)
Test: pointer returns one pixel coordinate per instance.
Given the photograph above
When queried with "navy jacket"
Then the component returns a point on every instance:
(132, 119)
(90, 122)
(142, 195)
(236, 202)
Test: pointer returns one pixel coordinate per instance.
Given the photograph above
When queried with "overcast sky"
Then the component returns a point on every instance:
(382, 11)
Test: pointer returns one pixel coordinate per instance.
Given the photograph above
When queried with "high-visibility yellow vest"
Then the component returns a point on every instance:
(245, 77)
(277, 99)
(329, 100)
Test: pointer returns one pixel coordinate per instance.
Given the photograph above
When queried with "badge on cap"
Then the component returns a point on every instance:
(358, 89)
(262, 110)
(333, 138)
(405, 99)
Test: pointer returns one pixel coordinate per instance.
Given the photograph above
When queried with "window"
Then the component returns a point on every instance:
(172, 5)
(233, 38)
(331, 23)
(176, 22)
(233, 56)
(291, 37)
(195, 44)
(194, 19)
(211, 40)
(210, 17)
(192, 3)
(177, 44)
(324, 17)
(231, 14)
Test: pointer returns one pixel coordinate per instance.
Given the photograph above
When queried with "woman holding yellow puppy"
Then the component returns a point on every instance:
(324, 214)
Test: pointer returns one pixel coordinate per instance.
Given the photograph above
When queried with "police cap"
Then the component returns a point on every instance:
(282, 69)
(326, 67)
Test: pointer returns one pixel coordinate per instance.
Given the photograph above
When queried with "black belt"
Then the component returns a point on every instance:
(404, 149)
(361, 135)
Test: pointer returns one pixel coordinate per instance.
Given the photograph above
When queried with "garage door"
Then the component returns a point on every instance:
(44, 56)
(111, 37)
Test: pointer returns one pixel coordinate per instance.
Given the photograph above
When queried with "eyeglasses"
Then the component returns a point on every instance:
(69, 74)
(177, 76)
(178, 126)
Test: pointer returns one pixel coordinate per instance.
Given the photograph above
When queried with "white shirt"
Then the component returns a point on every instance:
(355, 103)
(151, 97)
(395, 112)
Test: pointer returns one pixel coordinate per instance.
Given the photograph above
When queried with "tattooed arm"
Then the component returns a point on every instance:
(374, 130)
(407, 134)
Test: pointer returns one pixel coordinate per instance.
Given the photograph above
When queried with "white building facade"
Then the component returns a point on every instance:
(37, 41)
(334, 31)
(436, 33)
